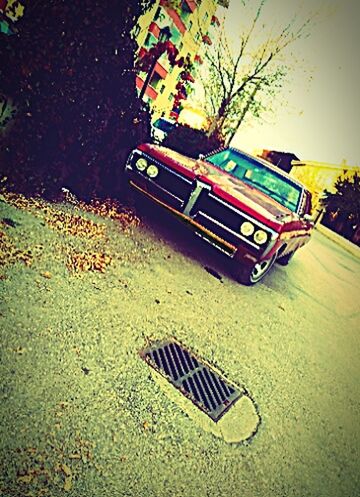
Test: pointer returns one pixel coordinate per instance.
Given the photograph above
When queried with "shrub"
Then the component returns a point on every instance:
(70, 70)
(191, 142)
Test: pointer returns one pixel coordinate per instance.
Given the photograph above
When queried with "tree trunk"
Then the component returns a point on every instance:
(217, 123)
(246, 109)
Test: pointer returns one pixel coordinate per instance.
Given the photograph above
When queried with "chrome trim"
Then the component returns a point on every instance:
(194, 195)
(161, 188)
(241, 213)
(300, 202)
(244, 239)
(206, 239)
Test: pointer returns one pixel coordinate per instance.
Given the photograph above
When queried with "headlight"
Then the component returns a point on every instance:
(260, 237)
(247, 228)
(141, 164)
(152, 171)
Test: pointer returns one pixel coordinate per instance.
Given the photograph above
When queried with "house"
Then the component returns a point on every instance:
(283, 160)
(188, 22)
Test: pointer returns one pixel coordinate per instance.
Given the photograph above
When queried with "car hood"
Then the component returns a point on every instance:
(223, 183)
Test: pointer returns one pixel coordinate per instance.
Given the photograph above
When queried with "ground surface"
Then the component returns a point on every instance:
(80, 412)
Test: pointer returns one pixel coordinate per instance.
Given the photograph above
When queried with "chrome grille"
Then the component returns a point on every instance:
(169, 185)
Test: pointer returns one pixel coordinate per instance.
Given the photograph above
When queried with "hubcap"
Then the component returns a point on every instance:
(260, 269)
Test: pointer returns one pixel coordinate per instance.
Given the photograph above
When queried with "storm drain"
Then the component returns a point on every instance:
(209, 391)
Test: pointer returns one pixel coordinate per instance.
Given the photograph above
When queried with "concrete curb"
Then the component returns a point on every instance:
(345, 244)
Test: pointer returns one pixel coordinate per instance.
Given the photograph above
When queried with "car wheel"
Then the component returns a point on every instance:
(284, 261)
(251, 275)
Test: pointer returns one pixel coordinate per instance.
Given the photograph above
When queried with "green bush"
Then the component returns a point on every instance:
(191, 142)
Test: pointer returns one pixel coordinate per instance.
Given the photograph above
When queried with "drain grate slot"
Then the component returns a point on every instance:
(209, 391)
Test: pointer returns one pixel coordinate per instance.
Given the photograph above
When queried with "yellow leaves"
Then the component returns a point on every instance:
(87, 261)
(75, 456)
(71, 224)
(46, 274)
(68, 484)
(10, 254)
(112, 209)
(66, 470)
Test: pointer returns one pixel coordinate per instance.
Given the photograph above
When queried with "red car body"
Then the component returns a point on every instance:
(216, 203)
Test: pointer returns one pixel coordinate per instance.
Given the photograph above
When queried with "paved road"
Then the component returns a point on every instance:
(73, 382)
(293, 340)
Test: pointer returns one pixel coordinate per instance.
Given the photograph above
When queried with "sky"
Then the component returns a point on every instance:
(318, 118)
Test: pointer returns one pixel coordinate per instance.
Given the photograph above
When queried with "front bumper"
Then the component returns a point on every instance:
(195, 204)
(208, 235)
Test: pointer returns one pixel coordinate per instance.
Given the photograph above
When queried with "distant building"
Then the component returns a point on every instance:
(321, 176)
(190, 30)
(283, 160)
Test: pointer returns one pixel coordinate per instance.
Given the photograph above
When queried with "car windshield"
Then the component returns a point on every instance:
(259, 176)
(163, 125)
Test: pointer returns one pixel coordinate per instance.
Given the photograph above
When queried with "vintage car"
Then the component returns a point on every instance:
(247, 208)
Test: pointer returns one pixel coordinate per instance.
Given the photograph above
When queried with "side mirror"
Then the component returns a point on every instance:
(308, 218)
(201, 157)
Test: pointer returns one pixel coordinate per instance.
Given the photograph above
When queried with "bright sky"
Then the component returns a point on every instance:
(320, 120)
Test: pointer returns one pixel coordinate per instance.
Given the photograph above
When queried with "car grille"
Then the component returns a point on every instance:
(220, 219)
(169, 186)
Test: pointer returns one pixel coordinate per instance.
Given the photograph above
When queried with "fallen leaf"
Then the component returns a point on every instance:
(74, 456)
(66, 469)
(68, 483)
(146, 425)
(46, 274)
(25, 478)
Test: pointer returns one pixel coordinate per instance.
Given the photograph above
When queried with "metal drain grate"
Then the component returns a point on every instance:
(209, 391)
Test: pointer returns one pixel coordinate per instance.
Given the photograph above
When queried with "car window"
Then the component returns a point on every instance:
(256, 174)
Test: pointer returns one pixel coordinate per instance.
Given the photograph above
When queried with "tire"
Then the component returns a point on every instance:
(254, 274)
(284, 261)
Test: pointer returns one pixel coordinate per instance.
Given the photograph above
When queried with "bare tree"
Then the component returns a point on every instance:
(244, 81)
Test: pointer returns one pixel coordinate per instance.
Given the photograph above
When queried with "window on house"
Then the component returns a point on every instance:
(150, 40)
(185, 11)
(162, 88)
(175, 34)
(171, 97)
(205, 17)
(157, 14)
(155, 80)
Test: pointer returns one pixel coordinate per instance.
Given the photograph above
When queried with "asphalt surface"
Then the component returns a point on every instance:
(82, 415)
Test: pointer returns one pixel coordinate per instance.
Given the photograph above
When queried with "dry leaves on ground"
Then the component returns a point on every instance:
(112, 209)
(71, 224)
(10, 254)
(87, 261)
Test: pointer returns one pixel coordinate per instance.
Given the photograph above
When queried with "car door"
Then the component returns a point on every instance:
(298, 231)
